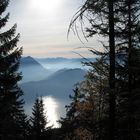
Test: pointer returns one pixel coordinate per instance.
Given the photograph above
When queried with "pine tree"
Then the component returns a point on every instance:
(95, 88)
(86, 115)
(38, 119)
(125, 73)
(71, 122)
(129, 67)
(11, 104)
(103, 23)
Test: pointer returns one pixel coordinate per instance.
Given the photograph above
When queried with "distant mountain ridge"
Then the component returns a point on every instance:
(61, 63)
(59, 85)
(29, 61)
(56, 79)
(32, 70)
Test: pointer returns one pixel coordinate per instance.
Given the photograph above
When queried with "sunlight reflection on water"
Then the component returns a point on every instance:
(51, 108)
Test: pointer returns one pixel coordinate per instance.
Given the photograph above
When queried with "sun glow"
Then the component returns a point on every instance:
(45, 6)
(51, 109)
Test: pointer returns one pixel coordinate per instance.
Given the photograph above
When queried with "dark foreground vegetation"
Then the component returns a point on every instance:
(106, 105)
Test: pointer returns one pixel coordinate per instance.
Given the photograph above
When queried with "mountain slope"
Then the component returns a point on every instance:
(32, 70)
(59, 85)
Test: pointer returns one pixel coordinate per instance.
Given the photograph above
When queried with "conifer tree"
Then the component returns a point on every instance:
(101, 16)
(38, 119)
(129, 68)
(71, 122)
(126, 40)
(11, 104)
(86, 115)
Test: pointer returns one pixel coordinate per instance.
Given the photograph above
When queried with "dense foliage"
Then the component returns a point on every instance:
(112, 84)
(12, 117)
(38, 120)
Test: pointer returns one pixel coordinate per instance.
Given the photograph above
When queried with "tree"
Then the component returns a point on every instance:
(71, 122)
(38, 119)
(86, 116)
(129, 67)
(102, 22)
(11, 104)
(112, 95)
(95, 88)
(119, 21)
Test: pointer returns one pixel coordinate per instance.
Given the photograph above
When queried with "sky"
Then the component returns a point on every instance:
(43, 26)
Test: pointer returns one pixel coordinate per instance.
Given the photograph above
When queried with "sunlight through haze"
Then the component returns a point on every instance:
(45, 5)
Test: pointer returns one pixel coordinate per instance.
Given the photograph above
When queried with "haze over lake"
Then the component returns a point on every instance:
(52, 78)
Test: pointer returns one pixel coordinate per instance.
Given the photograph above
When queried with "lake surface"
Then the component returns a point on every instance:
(54, 109)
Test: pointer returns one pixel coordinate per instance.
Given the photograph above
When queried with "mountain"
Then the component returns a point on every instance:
(61, 63)
(59, 85)
(52, 60)
(32, 70)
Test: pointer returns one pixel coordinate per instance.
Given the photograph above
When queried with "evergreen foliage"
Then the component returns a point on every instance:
(38, 120)
(71, 123)
(89, 105)
(12, 117)
(120, 120)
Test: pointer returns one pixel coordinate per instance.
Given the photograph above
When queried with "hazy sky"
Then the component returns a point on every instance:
(43, 26)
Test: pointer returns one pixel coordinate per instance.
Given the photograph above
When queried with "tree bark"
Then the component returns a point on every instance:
(112, 99)
(130, 109)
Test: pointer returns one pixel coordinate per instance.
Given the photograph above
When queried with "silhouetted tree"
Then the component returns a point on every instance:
(119, 21)
(101, 18)
(128, 49)
(38, 119)
(12, 117)
(86, 116)
(71, 122)
(96, 90)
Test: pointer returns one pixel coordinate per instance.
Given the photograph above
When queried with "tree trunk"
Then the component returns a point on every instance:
(130, 109)
(112, 99)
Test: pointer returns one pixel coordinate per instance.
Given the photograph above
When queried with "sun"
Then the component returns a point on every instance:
(46, 6)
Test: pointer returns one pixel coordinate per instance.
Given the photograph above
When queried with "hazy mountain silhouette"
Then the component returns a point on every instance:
(32, 70)
(59, 85)
(61, 63)
(57, 79)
